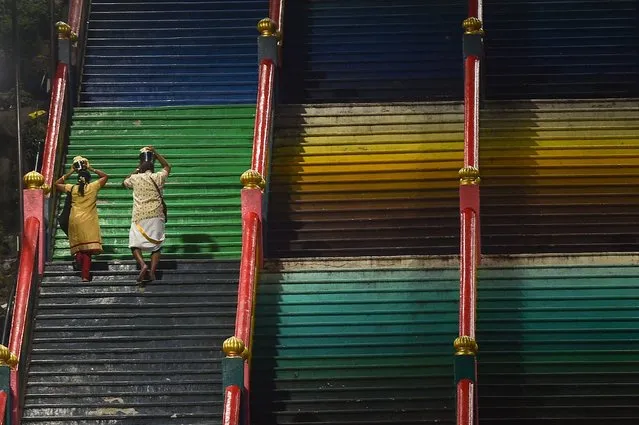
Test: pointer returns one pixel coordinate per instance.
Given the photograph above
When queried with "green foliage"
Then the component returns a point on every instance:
(34, 25)
(8, 265)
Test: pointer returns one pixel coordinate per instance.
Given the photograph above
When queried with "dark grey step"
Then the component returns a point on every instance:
(138, 298)
(112, 352)
(133, 377)
(192, 266)
(103, 366)
(51, 400)
(186, 353)
(184, 321)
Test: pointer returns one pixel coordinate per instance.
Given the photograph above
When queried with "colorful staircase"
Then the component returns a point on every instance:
(372, 51)
(149, 53)
(365, 179)
(371, 342)
(109, 351)
(180, 76)
(363, 345)
(208, 148)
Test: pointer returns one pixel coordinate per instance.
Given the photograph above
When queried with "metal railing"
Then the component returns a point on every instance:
(236, 364)
(470, 249)
(38, 223)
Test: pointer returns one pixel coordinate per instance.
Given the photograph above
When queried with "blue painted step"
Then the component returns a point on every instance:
(372, 50)
(132, 43)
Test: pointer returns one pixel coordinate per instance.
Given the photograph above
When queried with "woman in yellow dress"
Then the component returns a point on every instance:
(84, 228)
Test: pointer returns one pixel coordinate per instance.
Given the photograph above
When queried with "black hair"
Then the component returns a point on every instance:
(84, 177)
(145, 166)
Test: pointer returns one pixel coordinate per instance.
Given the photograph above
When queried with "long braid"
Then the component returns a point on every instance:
(84, 177)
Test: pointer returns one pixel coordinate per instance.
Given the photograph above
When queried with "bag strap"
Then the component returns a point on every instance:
(157, 188)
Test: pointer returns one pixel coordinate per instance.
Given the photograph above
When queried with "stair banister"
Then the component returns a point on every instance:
(470, 249)
(33, 241)
(26, 287)
(236, 364)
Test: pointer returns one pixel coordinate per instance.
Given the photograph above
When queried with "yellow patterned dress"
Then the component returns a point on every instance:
(84, 226)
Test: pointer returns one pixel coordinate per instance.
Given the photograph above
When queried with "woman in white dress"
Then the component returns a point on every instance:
(148, 217)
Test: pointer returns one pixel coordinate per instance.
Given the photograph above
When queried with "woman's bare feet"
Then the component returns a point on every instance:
(142, 277)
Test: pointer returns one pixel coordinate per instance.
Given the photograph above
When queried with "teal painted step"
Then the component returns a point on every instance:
(208, 149)
(557, 344)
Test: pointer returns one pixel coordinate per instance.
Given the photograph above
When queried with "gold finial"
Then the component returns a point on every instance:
(472, 25)
(46, 189)
(233, 347)
(245, 353)
(465, 345)
(469, 175)
(251, 179)
(266, 27)
(63, 29)
(7, 358)
(33, 180)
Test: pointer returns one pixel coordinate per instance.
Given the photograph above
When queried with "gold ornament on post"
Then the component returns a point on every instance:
(266, 27)
(469, 176)
(233, 347)
(7, 358)
(63, 29)
(465, 346)
(472, 25)
(246, 354)
(33, 180)
(251, 179)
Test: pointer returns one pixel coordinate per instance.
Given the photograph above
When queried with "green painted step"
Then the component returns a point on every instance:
(376, 345)
(208, 149)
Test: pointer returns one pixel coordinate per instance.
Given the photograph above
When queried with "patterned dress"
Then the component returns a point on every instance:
(147, 218)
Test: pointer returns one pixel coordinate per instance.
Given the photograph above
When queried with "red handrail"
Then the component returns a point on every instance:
(263, 116)
(232, 405)
(252, 197)
(470, 251)
(28, 249)
(3, 406)
(33, 233)
(56, 109)
(58, 99)
(75, 14)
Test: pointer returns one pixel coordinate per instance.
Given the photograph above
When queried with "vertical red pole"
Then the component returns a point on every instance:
(470, 250)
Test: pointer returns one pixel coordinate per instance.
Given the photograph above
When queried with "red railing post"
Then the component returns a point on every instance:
(470, 246)
(33, 200)
(19, 321)
(236, 390)
(8, 360)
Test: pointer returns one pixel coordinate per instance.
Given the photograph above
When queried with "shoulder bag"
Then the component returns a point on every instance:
(63, 218)
(166, 217)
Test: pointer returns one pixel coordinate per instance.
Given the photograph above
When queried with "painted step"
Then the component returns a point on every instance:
(130, 41)
(110, 351)
(203, 191)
